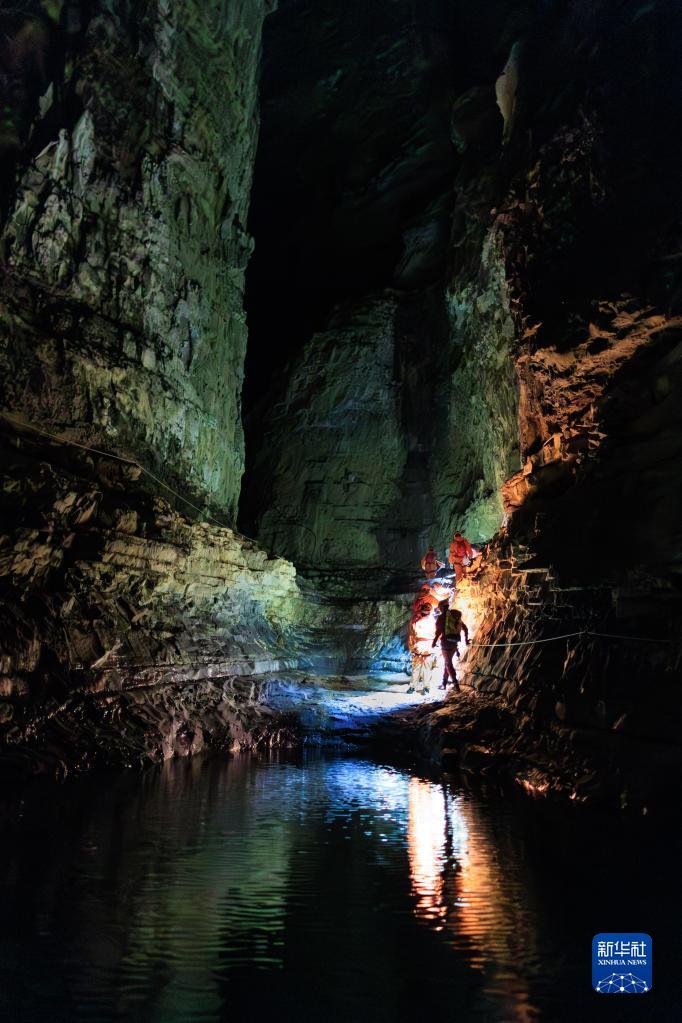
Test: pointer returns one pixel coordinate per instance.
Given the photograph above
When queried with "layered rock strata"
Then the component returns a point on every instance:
(568, 690)
(130, 632)
(106, 588)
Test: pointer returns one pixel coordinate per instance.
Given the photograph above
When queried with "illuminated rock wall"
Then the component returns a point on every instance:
(133, 132)
(126, 159)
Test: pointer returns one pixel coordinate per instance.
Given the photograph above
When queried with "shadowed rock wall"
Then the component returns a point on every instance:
(395, 423)
(587, 239)
(508, 374)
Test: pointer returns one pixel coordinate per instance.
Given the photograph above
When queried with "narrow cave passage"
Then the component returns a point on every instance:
(396, 288)
(354, 159)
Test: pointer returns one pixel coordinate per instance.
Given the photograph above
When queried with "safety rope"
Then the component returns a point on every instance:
(636, 639)
(571, 635)
(17, 421)
(530, 642)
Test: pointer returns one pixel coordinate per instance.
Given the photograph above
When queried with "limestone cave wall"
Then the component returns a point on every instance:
(393, 417)
(523, 370)
(127, 151)
(127, 155)
(577, 604)
(463, 310)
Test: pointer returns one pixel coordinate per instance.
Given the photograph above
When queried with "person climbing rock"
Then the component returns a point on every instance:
(461, 555)
(430, 563)
(449, 629)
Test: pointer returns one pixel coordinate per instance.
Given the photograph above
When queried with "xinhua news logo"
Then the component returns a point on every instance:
(621, 964)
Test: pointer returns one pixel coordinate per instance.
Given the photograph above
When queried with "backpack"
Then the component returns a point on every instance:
(452, 627)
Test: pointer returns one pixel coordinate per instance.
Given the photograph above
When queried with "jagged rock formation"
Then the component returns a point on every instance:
(471, 276)
(118, 612)
(123, 236)
(555, 403)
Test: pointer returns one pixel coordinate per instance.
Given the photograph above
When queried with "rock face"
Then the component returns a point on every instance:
(127, 156)
(124, 242)
(349, 489)
(131, 633)
(493, 381)
(396, 422)
(381, 445)
(591, 550)
(112, 600)
(464, 312)
(339, 402)
(548, 397)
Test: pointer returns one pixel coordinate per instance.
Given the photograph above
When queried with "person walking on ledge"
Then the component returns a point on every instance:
(449, 628)
(460, 556)
(430, 563)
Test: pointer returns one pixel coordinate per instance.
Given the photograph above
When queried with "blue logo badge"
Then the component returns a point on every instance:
(621, 964)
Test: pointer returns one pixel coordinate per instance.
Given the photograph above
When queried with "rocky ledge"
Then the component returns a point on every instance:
(130, 632)
(568, 689)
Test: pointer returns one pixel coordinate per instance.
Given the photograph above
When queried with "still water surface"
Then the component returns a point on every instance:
(321, 889)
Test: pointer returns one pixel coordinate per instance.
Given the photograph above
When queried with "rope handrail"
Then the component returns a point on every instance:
(22, 423)
(571, 635)
(636, 639)
(529, 642)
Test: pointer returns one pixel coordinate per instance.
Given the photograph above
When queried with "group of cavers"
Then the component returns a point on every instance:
(434, 600)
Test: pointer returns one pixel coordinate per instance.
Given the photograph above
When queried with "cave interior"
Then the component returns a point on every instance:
(291, 292)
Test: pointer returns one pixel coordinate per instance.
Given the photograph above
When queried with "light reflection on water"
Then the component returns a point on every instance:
(337, 887)
(458, 879)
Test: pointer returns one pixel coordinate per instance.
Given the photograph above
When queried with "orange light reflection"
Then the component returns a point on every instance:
(461, 888)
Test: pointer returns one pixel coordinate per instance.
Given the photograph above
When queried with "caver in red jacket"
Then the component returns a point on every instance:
(461, 551)
(430, 563)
